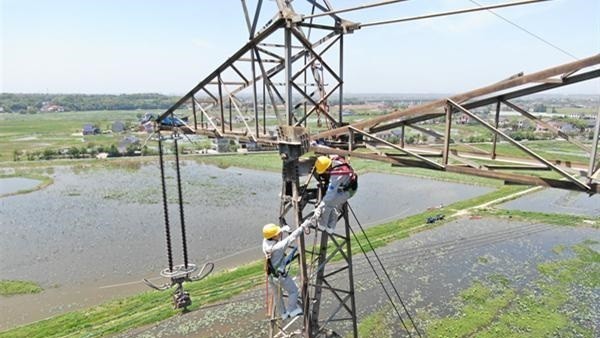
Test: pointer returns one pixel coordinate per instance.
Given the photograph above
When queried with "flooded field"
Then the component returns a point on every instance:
(12, 185)
(94, 234)
(558, 201)
(428, 269)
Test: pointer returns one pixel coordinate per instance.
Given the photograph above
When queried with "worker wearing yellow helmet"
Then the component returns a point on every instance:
(341, 181)
(274, 247)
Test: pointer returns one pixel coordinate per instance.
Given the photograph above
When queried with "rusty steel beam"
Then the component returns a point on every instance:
(496, 124)
(408, 152)
(368, 156)
(507, 177)
(572, 79)
(247, 47)
(566, 175)
(547, 125)
(460, 98)
(522, 179)
(447, 135)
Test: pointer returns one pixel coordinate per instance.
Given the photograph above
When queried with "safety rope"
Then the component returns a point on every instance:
(179, 191)
(386, 274)
(165, 206)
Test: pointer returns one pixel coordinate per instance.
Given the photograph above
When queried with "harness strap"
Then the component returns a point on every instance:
(274, 269)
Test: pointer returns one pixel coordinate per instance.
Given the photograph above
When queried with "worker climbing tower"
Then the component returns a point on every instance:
(319, 278)
(296, 63)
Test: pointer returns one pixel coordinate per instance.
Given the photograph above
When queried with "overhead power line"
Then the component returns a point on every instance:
(350, 9)
(527, 31)
(460, 11)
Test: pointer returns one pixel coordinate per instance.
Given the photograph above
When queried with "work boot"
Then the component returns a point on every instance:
(296, 312)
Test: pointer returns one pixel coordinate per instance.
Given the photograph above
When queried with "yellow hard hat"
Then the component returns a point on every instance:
(322, 163)
(271, 230)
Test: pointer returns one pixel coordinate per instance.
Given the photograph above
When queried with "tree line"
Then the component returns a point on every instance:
(33, 103)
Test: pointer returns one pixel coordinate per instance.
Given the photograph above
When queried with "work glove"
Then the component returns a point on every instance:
(317, 213)
(307, 223)
(286, 228)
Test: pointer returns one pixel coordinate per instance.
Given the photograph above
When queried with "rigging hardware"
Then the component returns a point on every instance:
(181, 273)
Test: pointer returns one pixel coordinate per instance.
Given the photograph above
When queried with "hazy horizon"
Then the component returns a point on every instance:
(347, 94)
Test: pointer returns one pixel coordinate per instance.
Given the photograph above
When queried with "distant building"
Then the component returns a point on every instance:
(118, 127)
(222, 145)
(90, 129)
(50, 107)
(253, 146)
(147, 127)
(126, 142)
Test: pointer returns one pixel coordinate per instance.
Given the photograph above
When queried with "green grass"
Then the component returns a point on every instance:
(145, 308)
(375, 325)
(569, 110)
(266, 162)
(493, 308)
(16, 287)
(549, 149)
(56, 130)
(546, 218)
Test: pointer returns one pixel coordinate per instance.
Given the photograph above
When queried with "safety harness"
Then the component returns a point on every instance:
(345, 169)
(280, 268)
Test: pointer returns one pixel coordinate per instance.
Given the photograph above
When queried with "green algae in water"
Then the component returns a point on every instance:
(493, 308)
(14, 287)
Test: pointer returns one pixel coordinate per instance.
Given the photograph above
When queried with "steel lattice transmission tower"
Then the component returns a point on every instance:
(291, 69)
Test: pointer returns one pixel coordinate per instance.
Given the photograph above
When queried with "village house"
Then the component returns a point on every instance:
(50, 107)
(90, 129)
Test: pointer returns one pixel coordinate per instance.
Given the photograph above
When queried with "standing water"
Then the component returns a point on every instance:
(12, 185)
(95, 234)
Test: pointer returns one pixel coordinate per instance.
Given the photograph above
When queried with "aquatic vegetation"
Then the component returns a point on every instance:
(376, 325)
(494, 308)
(17, 287)
(547, 218)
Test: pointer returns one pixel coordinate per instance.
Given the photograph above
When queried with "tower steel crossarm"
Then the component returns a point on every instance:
(283, 64)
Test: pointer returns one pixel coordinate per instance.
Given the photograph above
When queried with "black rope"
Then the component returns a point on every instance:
(183, 239)
(165, 207)
(381, 282)
(386, 274)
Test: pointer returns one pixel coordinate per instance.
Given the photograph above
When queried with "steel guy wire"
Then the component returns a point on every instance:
(527, 31)
(385, 272)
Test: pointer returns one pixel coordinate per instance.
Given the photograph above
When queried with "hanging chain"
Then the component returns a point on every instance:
(165, 204)
(180, 193)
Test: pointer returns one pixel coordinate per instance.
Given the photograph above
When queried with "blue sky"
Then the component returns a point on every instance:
(130, 46)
